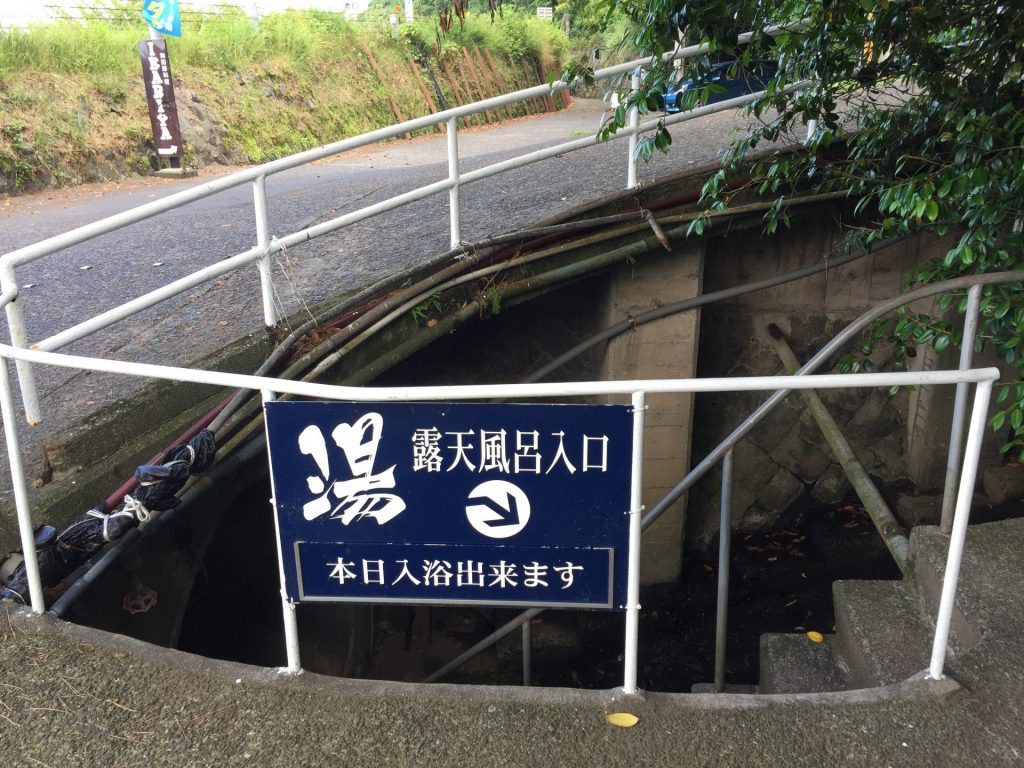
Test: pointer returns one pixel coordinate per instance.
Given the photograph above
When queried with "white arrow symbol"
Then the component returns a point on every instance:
(504, 510)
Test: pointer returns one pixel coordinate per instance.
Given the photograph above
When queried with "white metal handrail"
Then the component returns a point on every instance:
(723, 452)
(266, 245)
(637, 390)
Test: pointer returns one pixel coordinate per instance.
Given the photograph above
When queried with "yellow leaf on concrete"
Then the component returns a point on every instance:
(623, 719)
(815, 637)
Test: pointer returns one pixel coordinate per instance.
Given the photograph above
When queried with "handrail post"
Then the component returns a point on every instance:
(28, 543)
(956, 435)
(634, 132)
(19, 338)
(259, 192)
(453, 177)
(629, 656)
(291, 624)
(724, 541)
(972, 454)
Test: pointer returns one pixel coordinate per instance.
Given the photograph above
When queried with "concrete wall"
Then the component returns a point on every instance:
(664, 349)
(785, 463)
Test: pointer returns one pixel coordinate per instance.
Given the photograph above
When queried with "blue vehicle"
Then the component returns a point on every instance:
(740, 81)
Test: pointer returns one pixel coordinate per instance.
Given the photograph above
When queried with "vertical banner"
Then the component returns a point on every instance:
(163, 112)
(163, 16)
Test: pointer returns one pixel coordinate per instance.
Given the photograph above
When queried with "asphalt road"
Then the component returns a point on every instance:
(79, 282)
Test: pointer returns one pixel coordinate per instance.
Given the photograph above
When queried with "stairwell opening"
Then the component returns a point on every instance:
(781, 582)
(215, 569)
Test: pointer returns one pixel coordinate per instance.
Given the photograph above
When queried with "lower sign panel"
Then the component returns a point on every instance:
(445, 574)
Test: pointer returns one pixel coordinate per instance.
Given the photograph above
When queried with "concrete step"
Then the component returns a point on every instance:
(791, 663)
(881, 634)
(729, 688)
(929, 548)
(990, 589)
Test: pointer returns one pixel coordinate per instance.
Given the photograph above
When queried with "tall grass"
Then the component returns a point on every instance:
(514, 35)
(71, 97)
(104, 42)
(91, 46)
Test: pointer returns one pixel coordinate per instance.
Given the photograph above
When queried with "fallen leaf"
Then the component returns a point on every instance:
(623, 719)
(815, 637)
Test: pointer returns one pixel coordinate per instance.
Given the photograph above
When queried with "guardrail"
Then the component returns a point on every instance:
(953, 522)
(267, 246)
(637, 390)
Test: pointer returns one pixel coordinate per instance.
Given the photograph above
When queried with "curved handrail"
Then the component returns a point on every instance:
(730, 441)
(813, 364)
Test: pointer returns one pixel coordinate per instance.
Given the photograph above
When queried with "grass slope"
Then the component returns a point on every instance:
(72, 104)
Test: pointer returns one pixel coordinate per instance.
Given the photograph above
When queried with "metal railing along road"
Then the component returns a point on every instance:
(267, 246)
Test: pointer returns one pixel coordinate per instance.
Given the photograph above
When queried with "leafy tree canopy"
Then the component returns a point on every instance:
(926, 101)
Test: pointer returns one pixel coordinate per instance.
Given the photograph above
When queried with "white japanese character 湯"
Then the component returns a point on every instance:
(357, 497)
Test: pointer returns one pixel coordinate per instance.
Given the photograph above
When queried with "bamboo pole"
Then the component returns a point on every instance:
(376, 71)
(566, 98)
(481, 117)
(884, 520)
(517, 83)
(548, 101)
(527, 81)
(456, 90)
(424, 92)
(471, 68)
(497, 83)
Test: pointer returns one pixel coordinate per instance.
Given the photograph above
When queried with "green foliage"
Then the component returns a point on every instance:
(512, 35)
(919, 109)
(432, 308)
(15, 151)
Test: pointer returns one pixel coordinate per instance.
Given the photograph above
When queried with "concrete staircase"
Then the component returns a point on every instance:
(884, 629)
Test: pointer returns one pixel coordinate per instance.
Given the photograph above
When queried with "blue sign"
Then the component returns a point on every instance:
(444, 503)
(163, 16)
